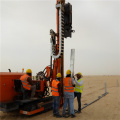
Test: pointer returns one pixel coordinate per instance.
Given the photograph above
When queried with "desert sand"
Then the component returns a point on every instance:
(106, 108)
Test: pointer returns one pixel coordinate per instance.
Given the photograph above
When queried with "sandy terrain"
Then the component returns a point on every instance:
(107, 108)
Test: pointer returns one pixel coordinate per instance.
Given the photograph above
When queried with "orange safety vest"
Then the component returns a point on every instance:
(68, 85)
(24, 81)
(55, 88)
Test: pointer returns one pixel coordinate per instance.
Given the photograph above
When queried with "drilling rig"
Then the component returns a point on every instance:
(18, 98)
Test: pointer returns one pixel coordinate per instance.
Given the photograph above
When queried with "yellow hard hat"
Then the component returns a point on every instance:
(68, 72)
(28, 71)
(59, 75)
(80, 73)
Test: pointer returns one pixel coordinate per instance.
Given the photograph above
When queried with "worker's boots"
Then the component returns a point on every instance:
(72, 116)
(78, 112)
(65, 116)
(58, 116)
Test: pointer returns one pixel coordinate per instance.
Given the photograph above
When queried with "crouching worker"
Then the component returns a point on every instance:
(56, 91)
(27, 82)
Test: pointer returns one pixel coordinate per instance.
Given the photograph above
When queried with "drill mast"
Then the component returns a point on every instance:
(64, 30)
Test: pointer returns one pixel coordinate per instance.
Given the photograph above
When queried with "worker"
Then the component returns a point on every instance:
(78, 89)
(68, 94)
(28, 83)
(56, 92)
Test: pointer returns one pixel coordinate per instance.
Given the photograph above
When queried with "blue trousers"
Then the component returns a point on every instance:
(56, 102)
(71, 105)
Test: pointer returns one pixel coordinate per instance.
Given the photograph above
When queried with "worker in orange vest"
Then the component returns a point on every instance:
(69, 94)
(27, 82)
(56, 92)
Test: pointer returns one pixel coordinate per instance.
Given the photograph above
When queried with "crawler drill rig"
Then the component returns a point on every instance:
(14, 97)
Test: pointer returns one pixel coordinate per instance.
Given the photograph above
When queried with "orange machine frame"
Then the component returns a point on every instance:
(7, 91)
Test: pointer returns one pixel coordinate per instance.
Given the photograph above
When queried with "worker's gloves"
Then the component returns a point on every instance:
(75, 77)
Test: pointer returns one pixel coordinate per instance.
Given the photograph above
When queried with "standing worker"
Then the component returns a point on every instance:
(69, 94)
(27, 82)
(56, 92)
(78, 89)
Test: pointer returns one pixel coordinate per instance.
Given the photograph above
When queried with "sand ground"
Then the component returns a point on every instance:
(107, 108)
